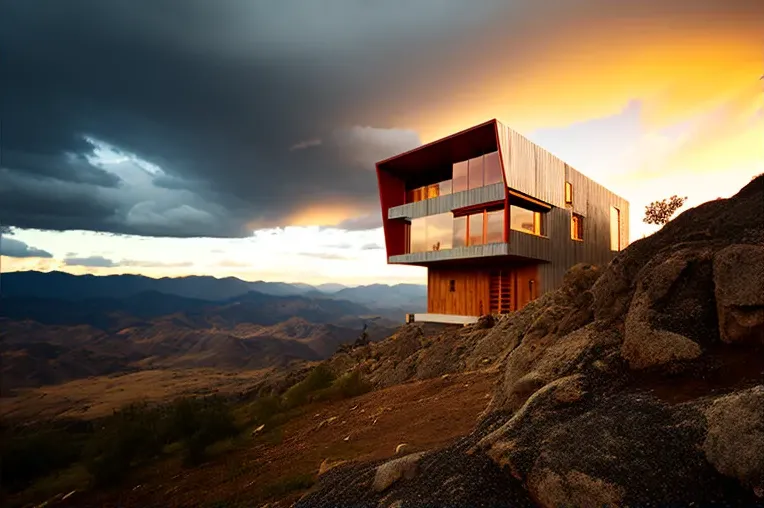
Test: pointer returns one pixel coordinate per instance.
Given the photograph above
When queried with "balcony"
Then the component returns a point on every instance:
(449, 202)
(473, 251)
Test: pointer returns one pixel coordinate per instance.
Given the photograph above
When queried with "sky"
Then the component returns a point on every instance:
(238, 138)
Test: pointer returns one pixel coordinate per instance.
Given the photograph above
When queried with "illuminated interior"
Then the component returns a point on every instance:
(465, 175)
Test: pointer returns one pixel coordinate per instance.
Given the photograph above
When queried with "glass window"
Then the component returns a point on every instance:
(460, 232)
(445, 187)
(433, 191)
(418, 235)
(476, 172)
(439, 232)
(615, 228)
(476, 229)
(492, 168)
(577, 227)
(460, 176)
(524, 220)
(494, 226)
(568, 193)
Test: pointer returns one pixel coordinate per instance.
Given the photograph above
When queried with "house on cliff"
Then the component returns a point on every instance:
(495, 219)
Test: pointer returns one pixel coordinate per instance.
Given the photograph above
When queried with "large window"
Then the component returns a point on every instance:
(460, 231)
(527, 221)
(494, 226)
(577, 227)
(615, 228)
(431, 233)
(439, 231)
(469, 174)
(460, 179)
(476, 232)
(492, 168)
(476, 177)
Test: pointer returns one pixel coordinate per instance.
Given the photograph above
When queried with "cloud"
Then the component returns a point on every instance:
(91, 262)
(182, 126)
(325, 255)
(302, 145)
(372, 246)
(17, 249)
(362, 223)
(137, 263)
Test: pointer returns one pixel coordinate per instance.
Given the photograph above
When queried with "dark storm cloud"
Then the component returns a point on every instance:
(17, 249)
(251, 111)
(91, 262)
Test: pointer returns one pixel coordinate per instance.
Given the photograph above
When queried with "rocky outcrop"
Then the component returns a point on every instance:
(739, 283)
(638, 385)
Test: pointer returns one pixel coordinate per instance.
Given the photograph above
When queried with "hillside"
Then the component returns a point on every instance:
(48, 341)
(641, 384)
(636, 384)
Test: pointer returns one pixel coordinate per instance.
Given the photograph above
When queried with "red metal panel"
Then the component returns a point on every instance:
(502, 150)
(392, 192)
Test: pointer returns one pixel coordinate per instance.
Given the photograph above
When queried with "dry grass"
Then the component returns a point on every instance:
(99, 396)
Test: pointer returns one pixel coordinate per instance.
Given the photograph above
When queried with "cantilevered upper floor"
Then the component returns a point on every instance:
(488, 191)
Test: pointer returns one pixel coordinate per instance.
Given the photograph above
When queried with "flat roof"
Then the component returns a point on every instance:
(442, 153)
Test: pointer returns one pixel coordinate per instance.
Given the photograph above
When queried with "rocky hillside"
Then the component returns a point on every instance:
(641, 384)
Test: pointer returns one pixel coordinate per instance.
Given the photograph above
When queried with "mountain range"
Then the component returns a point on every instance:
(56, 327)
(66, 286)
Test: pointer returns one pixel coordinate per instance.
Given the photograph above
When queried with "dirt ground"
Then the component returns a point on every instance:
(98, 396)
(278, 465)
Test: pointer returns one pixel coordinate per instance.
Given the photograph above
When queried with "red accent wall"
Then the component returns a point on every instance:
(392, 192)
(504, 176)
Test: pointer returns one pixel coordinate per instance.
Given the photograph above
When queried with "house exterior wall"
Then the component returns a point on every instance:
(528, 170)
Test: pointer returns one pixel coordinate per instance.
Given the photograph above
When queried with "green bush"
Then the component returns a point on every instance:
(130, 435)
(31, 453)
(351, 384)
(198, 423)
(318, 378)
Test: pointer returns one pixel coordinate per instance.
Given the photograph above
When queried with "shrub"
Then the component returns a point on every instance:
(198, 423)
(131, 434)
(318, 378)
(351, 384)
(30, 453)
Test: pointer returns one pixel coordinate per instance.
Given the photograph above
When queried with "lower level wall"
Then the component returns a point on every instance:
(475, 291)
(467, 295)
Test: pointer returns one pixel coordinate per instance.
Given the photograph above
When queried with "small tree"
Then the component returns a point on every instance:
(660, 212)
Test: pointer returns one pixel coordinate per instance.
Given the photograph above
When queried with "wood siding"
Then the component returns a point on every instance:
(470, 295)
(472, 288)
(447, 203)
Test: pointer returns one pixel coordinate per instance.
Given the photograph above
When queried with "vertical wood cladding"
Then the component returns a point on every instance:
(532, 170)
(472, 288)
(469, 298)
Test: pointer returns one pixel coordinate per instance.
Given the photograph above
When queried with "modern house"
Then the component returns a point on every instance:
(496, 219)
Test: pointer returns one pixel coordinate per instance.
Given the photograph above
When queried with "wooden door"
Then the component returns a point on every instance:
(526, 285)
(501, 291)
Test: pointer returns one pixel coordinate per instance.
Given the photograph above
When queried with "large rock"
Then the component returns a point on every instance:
(390, 472)
(739, 283)
(616, 388)
(735, 440)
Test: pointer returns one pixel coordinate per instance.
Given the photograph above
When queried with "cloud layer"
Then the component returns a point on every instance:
(226, 116)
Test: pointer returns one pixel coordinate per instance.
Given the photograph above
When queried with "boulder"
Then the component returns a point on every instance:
(735, 440)
(390, 472)
(739, 288)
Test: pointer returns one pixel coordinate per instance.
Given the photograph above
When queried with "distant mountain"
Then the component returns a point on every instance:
(330, 287)
(76, 287)
(412, 297)
(64, 286)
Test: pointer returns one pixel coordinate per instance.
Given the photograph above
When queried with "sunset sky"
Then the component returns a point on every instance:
(239, 137)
